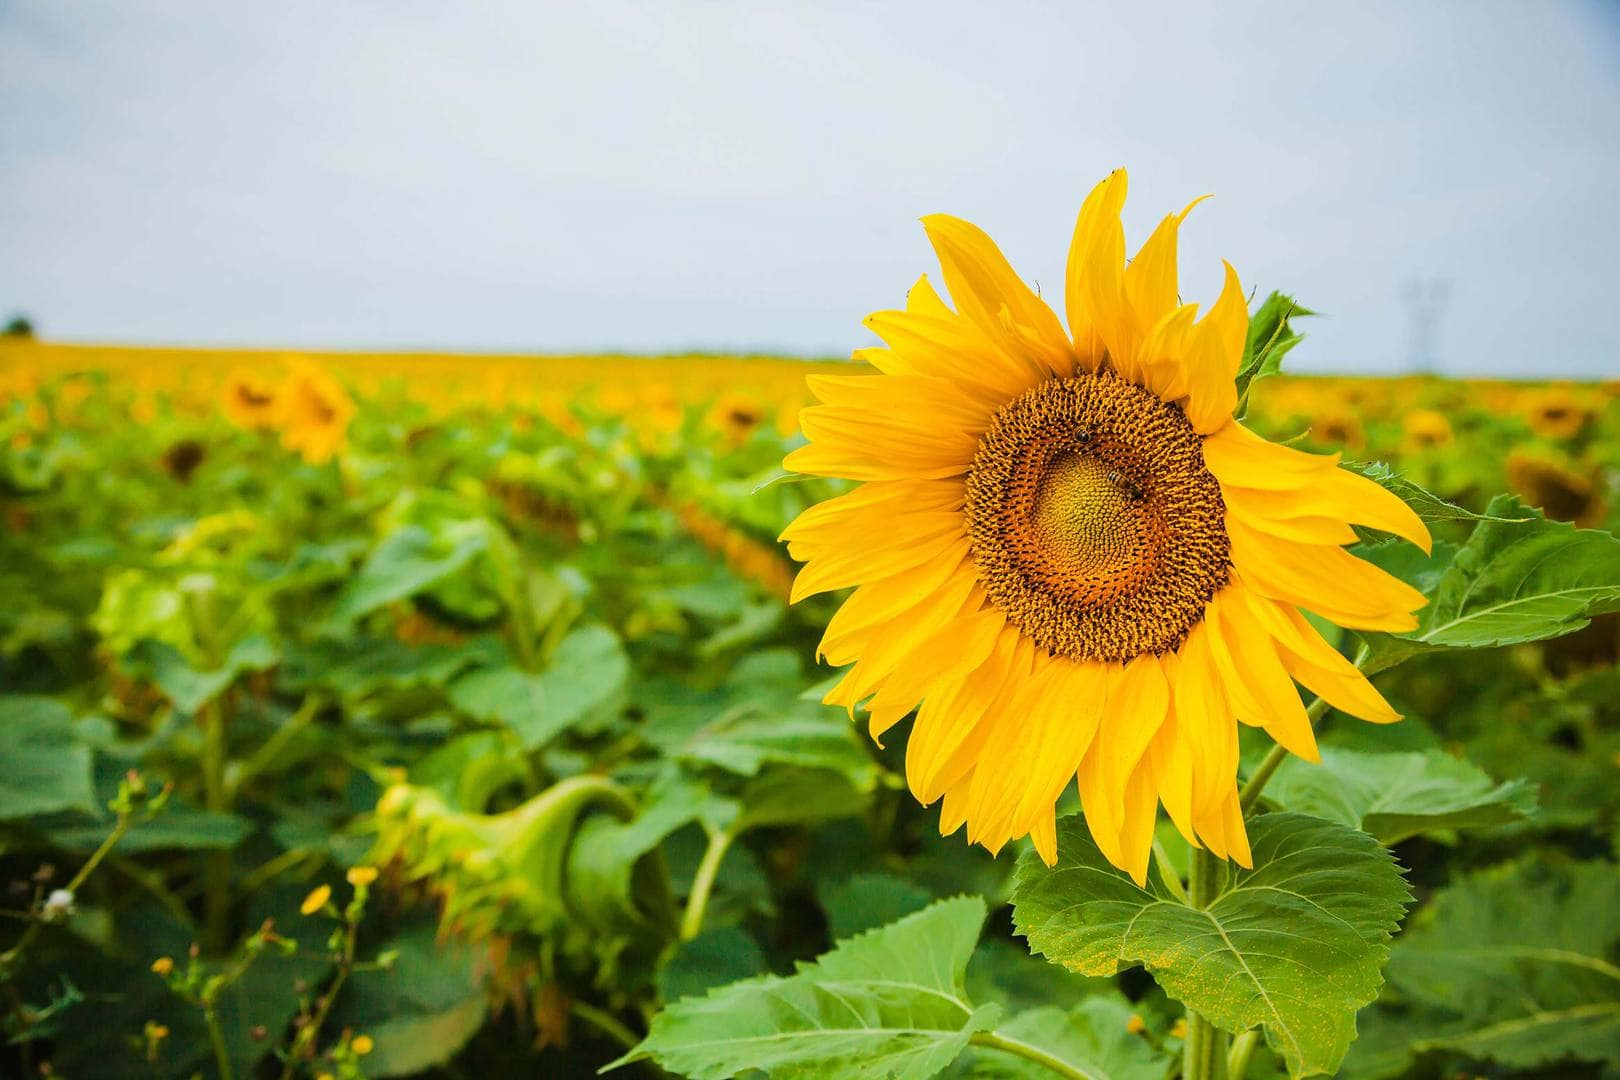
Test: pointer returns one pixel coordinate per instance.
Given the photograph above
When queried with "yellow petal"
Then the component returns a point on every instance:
(954, 724)
(869, 608)
(1044, 836)
(988, 291)
(957, 647)
(1259, 685)
(1214, 351)
(1327, 580)
(1151, 286)
(1138, 698)
(1098, 214)
(1205, 719)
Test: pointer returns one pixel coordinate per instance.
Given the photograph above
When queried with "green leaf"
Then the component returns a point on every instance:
(889, 1003)
(408, 561)
(1395, 796)
(718, 955)
(744, 741)
(1271, 337)
(44, 766)
(1093, 1037)
(188, 688)
(862, 901)
(1425, 503)
(1512, 582)
(1294, 945)
(588, 671)
(1518, 958)
(406, 1045)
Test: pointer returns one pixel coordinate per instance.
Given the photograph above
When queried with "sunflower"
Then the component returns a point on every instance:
(1072, 556)
(249, 400)
(1551, 482)
(313, 412)
(1425, 429)
(1556, 413)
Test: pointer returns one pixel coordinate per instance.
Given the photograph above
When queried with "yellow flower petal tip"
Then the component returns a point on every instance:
(316, 899)
(1068, 558)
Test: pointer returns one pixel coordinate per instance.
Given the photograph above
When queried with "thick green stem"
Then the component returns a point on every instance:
(996, 1041)
(1237, 1062)
(703, 884)
(605, 1022)
(216, 864)
(1204, 1052)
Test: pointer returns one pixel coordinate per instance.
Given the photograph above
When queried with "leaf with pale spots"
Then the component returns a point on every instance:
(1294, 946)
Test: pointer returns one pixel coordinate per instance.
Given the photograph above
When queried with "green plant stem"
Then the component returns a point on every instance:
(996, 1041)
(309, 1036)
(1204, 1052)
(1237, 1062)
(270, 750)
(10, 957)
(605, 1022)
(703, 883)
(1273, 761)
(216, 1038)
(216, 864)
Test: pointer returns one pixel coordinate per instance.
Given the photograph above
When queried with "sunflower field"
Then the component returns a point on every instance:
(399, 715)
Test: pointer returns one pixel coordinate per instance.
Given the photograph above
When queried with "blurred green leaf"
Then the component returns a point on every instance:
(188, 688)
(44, 766)
(1294, 946)
(1519, 962)
(717, 956)
(587, 673)
(1396, 796)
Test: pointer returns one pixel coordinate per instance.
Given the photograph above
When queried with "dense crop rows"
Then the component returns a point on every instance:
(514, 635)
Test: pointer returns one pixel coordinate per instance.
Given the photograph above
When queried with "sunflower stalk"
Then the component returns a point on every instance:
(1204, 1052)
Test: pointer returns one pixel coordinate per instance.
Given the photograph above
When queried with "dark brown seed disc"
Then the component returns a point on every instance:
(1095, 525)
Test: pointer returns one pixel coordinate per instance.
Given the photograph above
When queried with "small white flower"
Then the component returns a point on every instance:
(58, 905)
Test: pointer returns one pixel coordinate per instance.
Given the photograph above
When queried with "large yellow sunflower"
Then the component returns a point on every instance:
(1072, 556)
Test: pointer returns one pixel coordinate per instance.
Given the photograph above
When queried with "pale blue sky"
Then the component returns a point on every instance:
(667, 176)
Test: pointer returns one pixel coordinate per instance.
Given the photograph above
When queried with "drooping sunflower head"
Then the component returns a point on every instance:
(1068, 558)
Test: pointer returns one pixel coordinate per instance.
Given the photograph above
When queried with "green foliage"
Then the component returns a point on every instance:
(1396, 796)
(581, 730)
(1515, 965)
(1271, 337)
(1513, 581)
(1294, 946)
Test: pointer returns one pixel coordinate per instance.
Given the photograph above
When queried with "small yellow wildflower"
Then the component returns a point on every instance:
(1135, 1025)
(362, 1045)
(362, 875)
(1178, 1030)
(316, 900)
(163, 965)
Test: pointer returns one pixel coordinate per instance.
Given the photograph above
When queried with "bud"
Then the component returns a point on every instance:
(1135, 1025)
(162, 966)
(362, 875)
(362, 1045)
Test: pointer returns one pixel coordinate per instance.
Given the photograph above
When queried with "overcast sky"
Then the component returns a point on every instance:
(668, 176)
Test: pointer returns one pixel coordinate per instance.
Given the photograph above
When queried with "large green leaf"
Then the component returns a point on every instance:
(44, 767)
(1294, 945)
(1519, 959)
(889, 1003)
(1513, 581)
(804, 734)
(1394, 796)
